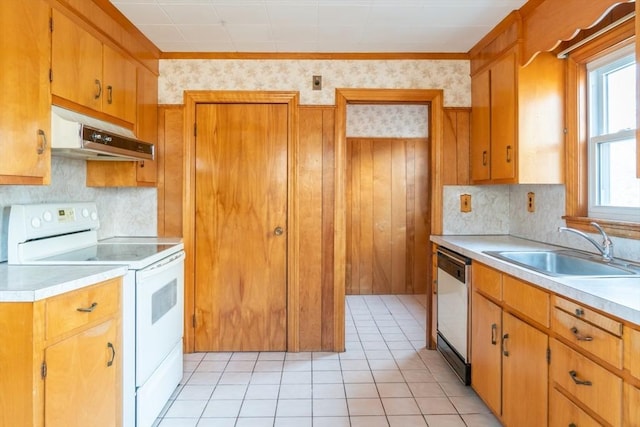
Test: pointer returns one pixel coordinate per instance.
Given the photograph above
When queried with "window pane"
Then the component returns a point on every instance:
(617, 174)
(620, 102)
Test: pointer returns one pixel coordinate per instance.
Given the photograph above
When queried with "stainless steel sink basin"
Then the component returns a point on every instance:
(566, 263)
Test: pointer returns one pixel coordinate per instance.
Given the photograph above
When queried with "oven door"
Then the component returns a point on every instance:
(159, 313)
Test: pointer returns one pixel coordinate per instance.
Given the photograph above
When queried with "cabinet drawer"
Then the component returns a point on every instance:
(527, 299)
(603, 394)
(78, 308)
(563, 412)
(603, 322)
(487, 280)
(588, 337)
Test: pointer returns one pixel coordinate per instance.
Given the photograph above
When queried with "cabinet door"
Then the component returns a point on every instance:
(24, 92)
(524, 374)
(480, 126)
(76, 59)
(485, 350)
(119, 96)
(147, 122)
(503, 118)
(81, 386)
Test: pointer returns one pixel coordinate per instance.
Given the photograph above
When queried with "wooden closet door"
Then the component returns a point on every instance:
(240, 227)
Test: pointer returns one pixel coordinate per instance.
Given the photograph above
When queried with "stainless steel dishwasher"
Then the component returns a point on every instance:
(454, 272)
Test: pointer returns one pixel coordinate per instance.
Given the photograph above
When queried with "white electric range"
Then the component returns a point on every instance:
(152, 294)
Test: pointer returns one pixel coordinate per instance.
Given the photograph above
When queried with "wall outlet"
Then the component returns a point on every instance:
(531, 202)
(465, 203)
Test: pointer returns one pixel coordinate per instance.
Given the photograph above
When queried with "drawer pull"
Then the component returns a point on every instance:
(88, 309)
(494, 330)
(113, 353)
(579, 336)
(574, 377)
(505, 337)
(572, 425)
(579, 312)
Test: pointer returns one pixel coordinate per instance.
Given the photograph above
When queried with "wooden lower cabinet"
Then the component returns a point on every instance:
(586, 382)
(541, 359)
(69, 375)
(77, 368)
(486, 351)
(508, 356)
(524, 373)
(563, 412)
(631, 406)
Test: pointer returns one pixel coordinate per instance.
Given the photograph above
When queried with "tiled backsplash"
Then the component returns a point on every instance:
(122, 211)
(502, 209)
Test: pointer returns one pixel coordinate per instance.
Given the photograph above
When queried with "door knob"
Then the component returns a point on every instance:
(278, 231)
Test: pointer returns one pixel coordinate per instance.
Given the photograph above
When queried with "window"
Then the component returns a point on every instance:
(613, 188)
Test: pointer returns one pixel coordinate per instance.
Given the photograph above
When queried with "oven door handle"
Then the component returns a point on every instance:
(162, 265)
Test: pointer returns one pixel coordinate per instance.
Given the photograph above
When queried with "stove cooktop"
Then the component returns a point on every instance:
(114, 253)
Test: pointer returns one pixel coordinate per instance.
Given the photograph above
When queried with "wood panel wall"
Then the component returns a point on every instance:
(387, 239)
(455, 150)
(169, 151)
(316, 201)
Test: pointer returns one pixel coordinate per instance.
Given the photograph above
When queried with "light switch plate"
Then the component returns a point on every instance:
(465, 203)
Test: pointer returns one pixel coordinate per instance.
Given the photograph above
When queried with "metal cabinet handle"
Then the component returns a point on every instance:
(113, 353)
(43, 144)
(579, 336)
(572, 425)
(579, 312)
(88, 309)
(484, 158)
(505, 337)
(494, 330)
(109, 94)
(508, 154)
(278, 231)
(574, 377)
(99, 93)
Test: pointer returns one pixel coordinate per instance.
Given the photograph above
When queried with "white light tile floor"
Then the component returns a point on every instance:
(385, 378)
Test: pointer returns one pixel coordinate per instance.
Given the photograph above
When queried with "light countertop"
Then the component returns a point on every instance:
(27, 283)
(618, 296)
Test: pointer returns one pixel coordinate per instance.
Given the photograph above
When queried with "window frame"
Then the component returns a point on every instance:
(598, 135)
(576, 159)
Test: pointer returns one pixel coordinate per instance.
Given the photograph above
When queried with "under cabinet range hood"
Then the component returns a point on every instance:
(83, 137)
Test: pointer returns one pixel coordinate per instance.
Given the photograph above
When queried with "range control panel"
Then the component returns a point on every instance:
(35, 221)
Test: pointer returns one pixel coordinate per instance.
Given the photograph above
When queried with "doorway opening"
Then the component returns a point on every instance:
(433, 198)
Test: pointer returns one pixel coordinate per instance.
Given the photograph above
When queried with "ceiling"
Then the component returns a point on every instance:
(326, 26)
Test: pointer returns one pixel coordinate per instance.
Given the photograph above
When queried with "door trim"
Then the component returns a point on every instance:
(191, 99)
(433, 98)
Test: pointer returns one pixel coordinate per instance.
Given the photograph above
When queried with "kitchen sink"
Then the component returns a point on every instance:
(567, 263)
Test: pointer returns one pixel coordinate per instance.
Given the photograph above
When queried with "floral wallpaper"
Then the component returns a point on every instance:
(178, 75)
(380, 121)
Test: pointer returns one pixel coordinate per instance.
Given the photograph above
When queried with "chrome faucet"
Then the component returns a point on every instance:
(605, 249)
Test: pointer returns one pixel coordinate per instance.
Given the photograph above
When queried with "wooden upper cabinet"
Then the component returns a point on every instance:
(25, 92)
(127, 173)
(88, 73)
(503, 114)
(76, 58)
(517, 115)
(119, 91)
(480, 126)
